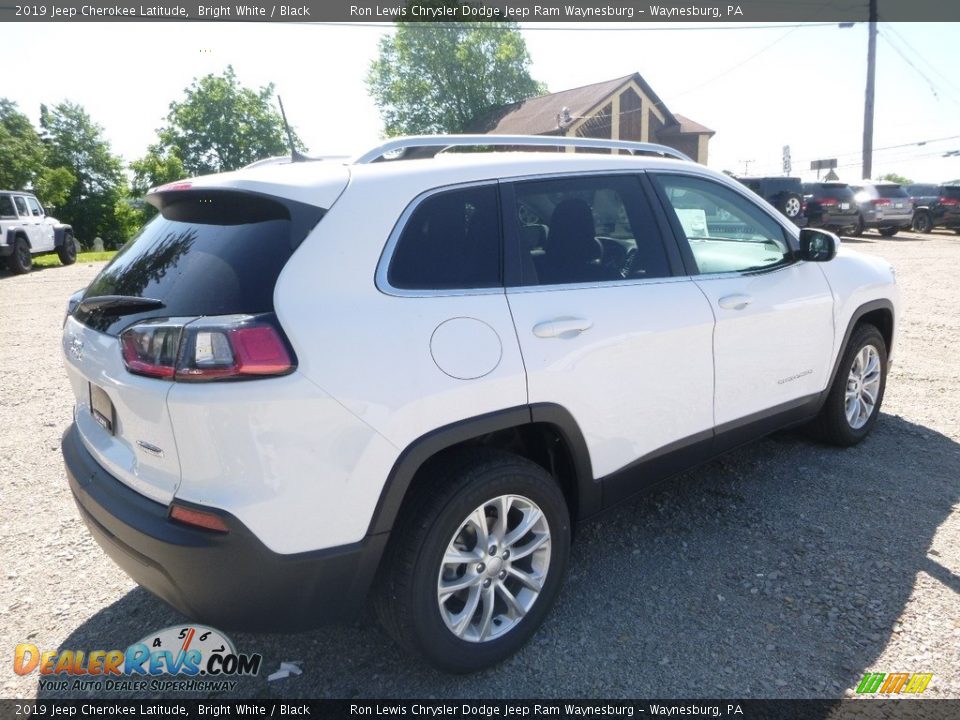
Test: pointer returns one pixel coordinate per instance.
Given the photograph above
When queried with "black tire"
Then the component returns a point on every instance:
(20, 261)
(790, 205)
(832, 425)
(858, 228)
(406, 594)
(888, 232)
(922, 223)
(67, 252)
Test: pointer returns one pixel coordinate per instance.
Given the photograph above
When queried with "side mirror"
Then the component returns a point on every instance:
(818, 245)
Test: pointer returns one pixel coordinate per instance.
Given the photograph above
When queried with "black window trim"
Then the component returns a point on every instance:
(381, 275)
(790, 236)
(513, 275)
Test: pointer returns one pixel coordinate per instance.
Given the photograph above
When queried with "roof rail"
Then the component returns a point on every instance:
(428, 146)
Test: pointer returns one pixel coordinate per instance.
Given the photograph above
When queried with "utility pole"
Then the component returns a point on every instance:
(868, 103)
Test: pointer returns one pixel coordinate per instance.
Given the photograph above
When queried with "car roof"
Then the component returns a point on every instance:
(321, 182)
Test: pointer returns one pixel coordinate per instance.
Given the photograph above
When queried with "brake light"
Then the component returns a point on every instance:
(198, 518)
(829, 201)
(214, 348)
(151, 349)
(881, 202)
(949, 201)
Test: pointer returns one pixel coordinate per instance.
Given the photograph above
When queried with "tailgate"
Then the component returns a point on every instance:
(130, 433)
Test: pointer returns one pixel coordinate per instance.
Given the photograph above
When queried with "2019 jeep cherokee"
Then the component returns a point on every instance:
(305, 383)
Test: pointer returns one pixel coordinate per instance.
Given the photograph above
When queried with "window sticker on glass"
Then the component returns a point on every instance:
(694, 222)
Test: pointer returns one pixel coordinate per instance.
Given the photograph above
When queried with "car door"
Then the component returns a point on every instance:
(608, 327)
(43, 236)
(773, 342)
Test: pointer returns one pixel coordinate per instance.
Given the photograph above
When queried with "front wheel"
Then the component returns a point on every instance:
(476, 560)
(853, 404)
(858, 228)
(922, 222)
(67, 252)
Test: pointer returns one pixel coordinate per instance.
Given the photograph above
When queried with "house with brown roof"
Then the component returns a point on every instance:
(625, 108)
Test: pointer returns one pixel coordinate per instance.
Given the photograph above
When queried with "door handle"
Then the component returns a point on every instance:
(566, 327)
(734, 302)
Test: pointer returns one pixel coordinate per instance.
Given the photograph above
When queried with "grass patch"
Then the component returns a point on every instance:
(53, 260)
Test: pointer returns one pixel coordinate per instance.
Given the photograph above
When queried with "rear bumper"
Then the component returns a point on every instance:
(6, 251)
(902, 222)
(229, 580)
(833, 221)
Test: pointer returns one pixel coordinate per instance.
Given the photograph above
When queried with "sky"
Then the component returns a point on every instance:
(759, 89)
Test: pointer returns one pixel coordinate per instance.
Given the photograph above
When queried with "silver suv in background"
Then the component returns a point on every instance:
(26, 230)
(884, 207)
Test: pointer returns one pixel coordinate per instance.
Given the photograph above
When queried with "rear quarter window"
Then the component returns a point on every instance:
(451, 241)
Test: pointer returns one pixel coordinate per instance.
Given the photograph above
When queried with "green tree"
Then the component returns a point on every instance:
(894, 178)
(436, 79)
(21, 149)
(53, 186)
(219, 125)
(76, 144)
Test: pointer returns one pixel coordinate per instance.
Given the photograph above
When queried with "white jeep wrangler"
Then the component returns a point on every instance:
(411, 375)
(26, 230)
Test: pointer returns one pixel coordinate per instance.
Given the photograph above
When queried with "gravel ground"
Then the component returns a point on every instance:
(786, 569)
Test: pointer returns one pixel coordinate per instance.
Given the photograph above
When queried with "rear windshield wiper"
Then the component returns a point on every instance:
(118, 304)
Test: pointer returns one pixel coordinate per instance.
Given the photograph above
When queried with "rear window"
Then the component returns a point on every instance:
(891, 191)
(951, 192)
(921, 190)
(207, 253)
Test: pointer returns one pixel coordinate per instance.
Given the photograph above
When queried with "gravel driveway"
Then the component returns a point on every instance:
(786, 569)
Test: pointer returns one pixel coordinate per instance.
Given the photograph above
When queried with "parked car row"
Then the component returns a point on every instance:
(851, 208)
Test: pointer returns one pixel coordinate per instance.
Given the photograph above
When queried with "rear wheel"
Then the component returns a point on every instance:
(21, 260)
(888, 232)
(922, 222)
(476, 560)
(67, 252)
(854, 401)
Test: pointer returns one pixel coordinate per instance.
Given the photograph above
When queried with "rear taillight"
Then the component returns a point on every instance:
(150, 348)
(829, 202)
(214, 348)
(880, 202)
(948, 201)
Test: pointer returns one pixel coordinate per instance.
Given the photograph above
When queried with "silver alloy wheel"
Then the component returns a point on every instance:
(863, 386)
(792, 207)
(494, 568)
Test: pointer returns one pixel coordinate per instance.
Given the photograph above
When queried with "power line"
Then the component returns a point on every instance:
(930, 65)
(933, 88)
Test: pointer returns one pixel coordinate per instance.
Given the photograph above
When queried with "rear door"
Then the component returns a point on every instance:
(607, 328)
(774, 332)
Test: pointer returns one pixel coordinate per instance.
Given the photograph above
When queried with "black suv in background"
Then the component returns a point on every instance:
(935, 206)
(831, 205)
(885, 207)
(784, 193)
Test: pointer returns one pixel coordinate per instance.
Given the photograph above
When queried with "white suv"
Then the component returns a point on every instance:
(26, 230)
(412, 374)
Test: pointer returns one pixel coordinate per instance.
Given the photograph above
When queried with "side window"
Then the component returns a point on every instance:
(21, 206)
(6, 206)
(724, 230)
(451, 241)
(587, 229)
(35, 208)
